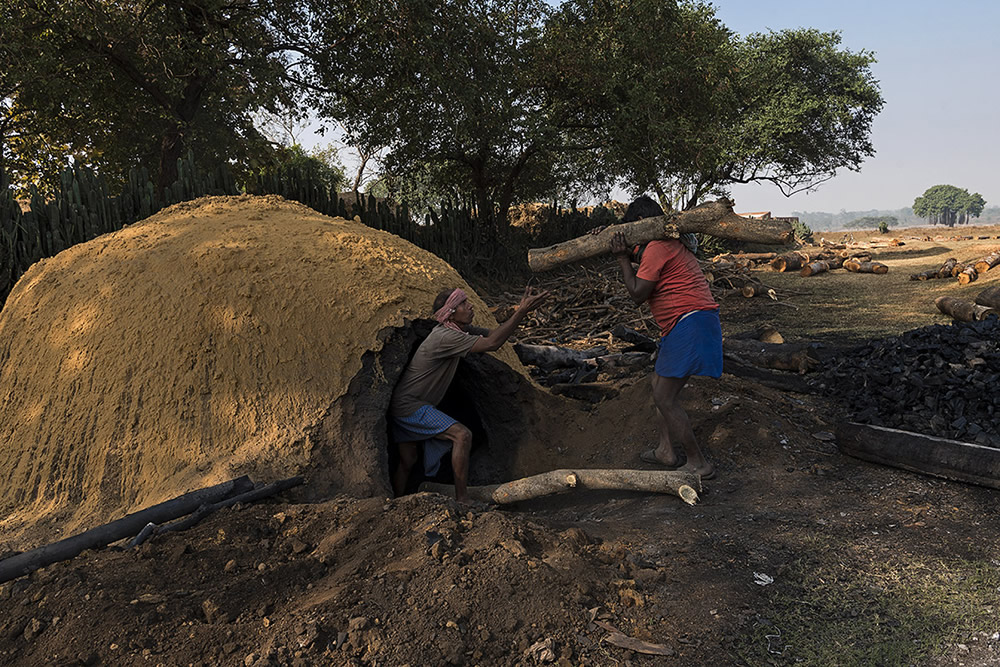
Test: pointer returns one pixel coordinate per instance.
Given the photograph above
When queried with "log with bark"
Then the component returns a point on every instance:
(152, 530)
(814, 268)
(552, 356)
(714, 218)
(988, 262)
(791, 261)
(866, 267)
(963, 311)
(639, 342)
(950, 459)
(989, 297)
(127, 526)
(781, 380)
(798, 357)
(929, 274)
(968, 275)
(946, 269)
(675, 482)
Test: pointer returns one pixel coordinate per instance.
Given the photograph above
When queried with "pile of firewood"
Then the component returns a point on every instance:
(940, 380)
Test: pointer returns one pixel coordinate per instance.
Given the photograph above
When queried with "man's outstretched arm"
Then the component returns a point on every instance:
(495, 339)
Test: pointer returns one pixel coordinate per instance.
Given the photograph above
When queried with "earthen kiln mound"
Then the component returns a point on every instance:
(220, 337)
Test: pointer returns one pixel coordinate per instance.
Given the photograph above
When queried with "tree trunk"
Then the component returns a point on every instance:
(796, 357)
(865, 267)
(552, 356)
(814, 268)
(127, 526)
(963, 311)
(946, 269)
(989, 297)
(925, 454)
(791, 261)
(714, 218)
(988, 262)
(968, 275)
(683, 484)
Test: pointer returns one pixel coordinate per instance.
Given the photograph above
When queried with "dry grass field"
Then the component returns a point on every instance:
(843, 307)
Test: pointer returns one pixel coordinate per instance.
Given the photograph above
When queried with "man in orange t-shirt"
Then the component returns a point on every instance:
(670, 279)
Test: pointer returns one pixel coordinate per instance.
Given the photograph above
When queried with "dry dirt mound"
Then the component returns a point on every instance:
(216, 338)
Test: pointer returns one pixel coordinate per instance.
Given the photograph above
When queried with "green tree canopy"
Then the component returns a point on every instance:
(683, 107)
(948, 205)
(116, 83)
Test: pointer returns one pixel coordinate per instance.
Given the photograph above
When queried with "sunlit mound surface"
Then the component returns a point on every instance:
(219, 337)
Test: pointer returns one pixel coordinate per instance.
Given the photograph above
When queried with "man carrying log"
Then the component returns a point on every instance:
(670, 279)
(414, 417)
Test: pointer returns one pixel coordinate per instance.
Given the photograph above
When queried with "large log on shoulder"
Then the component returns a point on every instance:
(950, 459)
(714, 218)
(961, 310)
(989, 297)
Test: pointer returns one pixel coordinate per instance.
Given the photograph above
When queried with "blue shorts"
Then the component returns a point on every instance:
(692, 347)
(422, 426)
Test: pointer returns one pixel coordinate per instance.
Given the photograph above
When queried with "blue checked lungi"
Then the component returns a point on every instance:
(692, 347)
(422, 426)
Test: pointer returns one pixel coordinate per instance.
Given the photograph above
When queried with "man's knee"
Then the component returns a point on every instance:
(461, 436)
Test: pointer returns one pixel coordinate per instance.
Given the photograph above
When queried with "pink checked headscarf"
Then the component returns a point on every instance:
(454, 300)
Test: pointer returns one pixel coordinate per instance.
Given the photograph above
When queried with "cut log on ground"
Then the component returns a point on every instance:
(151, 530)
(866, 267)
(814, 268)
(989, 297)
(988, 262)
(791, 261)
(946, 269)
(798, 357)
(553, 356)
(674, 482)
(640, 342)
(968, 275)
(780, 380)
(950, 459)
(929, 274)
(962, 310)
(714, 218)
(750, 290)
(127, 526)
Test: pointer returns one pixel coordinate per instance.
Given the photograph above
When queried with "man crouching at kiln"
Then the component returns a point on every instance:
(413, 412)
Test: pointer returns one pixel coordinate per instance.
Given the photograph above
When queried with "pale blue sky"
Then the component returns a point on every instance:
(938, 68)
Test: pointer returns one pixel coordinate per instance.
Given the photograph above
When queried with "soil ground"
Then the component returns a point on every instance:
(795, 554)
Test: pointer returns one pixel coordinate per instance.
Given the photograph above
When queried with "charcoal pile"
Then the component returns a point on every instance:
(939, 380)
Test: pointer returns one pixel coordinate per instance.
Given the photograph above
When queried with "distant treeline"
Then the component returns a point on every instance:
(825, 222)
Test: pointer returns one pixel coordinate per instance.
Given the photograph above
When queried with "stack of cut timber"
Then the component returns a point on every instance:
(940, 380)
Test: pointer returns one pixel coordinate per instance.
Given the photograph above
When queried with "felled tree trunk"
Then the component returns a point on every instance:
(683, 484)
(552, 356)
(713, 218)
(750, 290)
(925, 454)
(865, 267)
(968, 275)
(791, 261)
(989, 297)
(929, 274)
(796, 357)
(946, 269)
(127, 526)
(963, 311)
(814, 268)
(988, 262)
